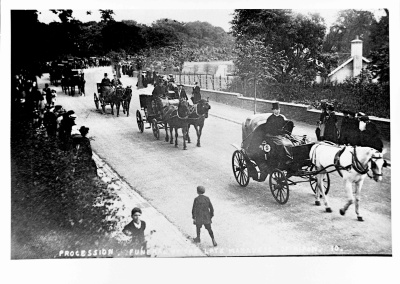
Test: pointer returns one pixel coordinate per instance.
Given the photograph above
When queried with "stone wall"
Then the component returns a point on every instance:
(296, 112)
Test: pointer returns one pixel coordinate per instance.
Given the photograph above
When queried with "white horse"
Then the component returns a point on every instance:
(353, 164)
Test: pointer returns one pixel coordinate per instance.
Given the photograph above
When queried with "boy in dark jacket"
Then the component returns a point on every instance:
(202, 212)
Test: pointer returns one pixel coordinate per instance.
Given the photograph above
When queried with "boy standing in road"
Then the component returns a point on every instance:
(202, 212)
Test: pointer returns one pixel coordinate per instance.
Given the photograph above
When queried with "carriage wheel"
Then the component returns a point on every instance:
(96, 101)
(239, 168)
(326, 181)
(139, 121)
(156, 130)
(279, 186)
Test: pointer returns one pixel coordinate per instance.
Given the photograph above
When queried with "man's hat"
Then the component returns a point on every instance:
(330, 107)
(84, 129)
(364, 118)
(70, 112)
(72, 116)
(105, 74)
(359, 114)
(57, 107)
(275, 106)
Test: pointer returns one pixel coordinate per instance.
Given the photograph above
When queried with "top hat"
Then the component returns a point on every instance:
(275, 106)
(105, 74)
(364, 118)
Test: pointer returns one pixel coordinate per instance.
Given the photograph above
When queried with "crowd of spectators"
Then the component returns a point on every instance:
(356, 129)
(39, 111)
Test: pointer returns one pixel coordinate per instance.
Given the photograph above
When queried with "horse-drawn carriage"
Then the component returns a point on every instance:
(262, 155)
(151, 113)
(56, 72)
(108, 95)
(72, 78)
(173, 114)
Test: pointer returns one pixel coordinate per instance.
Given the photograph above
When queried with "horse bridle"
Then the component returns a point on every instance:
(359, 168)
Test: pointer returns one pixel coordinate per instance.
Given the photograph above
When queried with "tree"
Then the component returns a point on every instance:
(258, 63)
(106, 16)
(299, 37)
(25, 52)
(348, 25)
(380, 49)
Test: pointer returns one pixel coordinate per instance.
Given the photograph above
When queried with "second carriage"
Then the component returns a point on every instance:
(148, 112)
(259, 157)
(118, 96)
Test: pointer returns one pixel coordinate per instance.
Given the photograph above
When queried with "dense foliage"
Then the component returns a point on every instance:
(354, 94)
(199, 41)
(300, 44)
(56, 202)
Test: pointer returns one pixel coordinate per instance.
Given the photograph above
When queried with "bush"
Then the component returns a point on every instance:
(51, 191)
(357, 95)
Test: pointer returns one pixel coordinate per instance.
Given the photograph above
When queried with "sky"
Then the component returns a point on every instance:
(216, 17)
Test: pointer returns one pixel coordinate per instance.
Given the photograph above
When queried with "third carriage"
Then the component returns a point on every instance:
(258, 158)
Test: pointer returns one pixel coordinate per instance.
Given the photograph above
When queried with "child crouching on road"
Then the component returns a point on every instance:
(202, 212)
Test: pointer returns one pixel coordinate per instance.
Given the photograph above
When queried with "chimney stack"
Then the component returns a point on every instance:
(356, 53)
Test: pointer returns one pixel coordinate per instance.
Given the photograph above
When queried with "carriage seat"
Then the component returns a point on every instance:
(166, 102)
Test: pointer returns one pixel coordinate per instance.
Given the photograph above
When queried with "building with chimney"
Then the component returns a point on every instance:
(351, 67)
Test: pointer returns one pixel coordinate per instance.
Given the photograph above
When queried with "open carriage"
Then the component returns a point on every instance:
(107, 95)
(279, 157)
(149, 113)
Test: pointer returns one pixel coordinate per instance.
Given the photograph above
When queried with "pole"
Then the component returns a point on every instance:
(255, 95)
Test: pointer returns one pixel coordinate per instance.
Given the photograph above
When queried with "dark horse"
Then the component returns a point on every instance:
(197, 114)
(126, 99)
(112, 96)
(176, 117)
(68, 84)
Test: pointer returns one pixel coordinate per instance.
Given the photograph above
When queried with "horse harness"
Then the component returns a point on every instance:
(355, 163)
(194, 109)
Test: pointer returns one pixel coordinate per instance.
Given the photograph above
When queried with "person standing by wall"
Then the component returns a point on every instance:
(321, 123)
(331, 127)
(196, 93)
(369, 135)
(202, 212)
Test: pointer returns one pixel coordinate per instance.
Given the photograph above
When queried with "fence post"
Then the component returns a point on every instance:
(220, 82)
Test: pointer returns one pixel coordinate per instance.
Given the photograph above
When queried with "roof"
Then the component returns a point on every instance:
(345, 63)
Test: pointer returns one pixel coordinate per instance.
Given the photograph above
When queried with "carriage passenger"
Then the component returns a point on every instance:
(116, 82)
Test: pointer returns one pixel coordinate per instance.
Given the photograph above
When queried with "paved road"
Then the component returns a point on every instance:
(248, 221)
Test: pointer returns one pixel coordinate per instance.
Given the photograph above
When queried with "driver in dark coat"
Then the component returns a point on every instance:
(105, 81)
(182, 92)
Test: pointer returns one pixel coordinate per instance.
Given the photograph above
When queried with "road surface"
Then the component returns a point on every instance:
(248, 221)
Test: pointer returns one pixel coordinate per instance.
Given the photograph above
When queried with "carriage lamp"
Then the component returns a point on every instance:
(265, 147)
